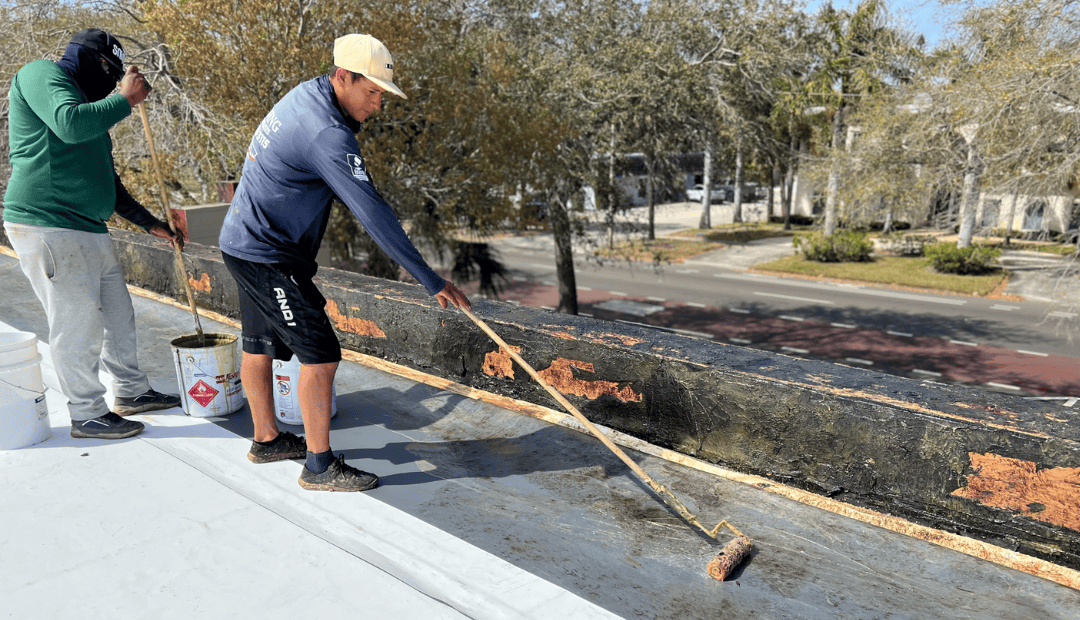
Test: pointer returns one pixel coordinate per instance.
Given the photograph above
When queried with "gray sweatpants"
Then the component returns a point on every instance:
(76, 276)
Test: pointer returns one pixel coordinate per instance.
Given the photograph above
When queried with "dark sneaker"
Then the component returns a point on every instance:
(108, 426)
(340, 476)
(285, 446)
(150, 401)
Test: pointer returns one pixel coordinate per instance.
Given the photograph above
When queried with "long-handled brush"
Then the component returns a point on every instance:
(733, 552)
(168, 217)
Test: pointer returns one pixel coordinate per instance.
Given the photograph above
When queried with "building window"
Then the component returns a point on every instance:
(991, 208)
(1033, 215)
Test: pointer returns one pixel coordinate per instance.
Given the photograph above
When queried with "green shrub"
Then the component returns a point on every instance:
(844, 246)
(972, 260)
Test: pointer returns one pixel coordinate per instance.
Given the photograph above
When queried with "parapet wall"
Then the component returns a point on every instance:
(993, 467)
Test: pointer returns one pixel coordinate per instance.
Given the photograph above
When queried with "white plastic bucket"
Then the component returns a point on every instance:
(286, 399)
(209, 375)
(24, 414)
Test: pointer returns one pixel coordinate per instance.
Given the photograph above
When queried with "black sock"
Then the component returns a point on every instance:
(319, 462)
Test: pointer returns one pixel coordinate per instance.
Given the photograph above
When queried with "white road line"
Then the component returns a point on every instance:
(1004, 308)
(855, 289)
(683, 332)
(687, 271)
(1003, 386)
(617, 293)
(583, 288)
(738, 311)
(660, 299)
(739, 340)
(794, 350)
(519, 279)
(585, 314)
(547, 307)
(548, 283)
(929, 373)
(1033, 353)
(540, 266)
(792, 298)
(844, 325)
(855, 360)
(788, 317)
(1063, 315)
(694, 304)
(965, 343)
(904, 334)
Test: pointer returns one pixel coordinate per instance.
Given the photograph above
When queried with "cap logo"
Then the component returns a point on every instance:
(389, 67)
(118, 52)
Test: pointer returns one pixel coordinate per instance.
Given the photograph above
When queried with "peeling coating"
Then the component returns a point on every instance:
(1050, 495)
(561, 376)
(202, 284)
(363, 327)
(499, 363)
(602, 338)
(564, 335)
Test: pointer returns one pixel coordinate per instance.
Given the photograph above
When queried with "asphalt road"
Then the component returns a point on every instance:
(1028, 347)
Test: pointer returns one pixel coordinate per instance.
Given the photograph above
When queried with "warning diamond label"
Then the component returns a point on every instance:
(202, 393)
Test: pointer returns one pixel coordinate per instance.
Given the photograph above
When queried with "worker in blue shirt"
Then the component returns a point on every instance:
(302, 156)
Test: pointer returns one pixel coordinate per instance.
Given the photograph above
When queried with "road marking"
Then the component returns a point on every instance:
(1003, 386)
(547, 307)
(930, 373)
(844, 325)
(788, 317)
(1069, 400)
(660, 299)
(585, 314)
(860, 290)
(617, 293)
(683, 332)
(1033, 353)
(739, 340)
(694, 304)
(904, 334)
(547, 283)
(855, 360)
(792, 298)
(583, 288)
(1004, 308)
(627, 306)
(540, 266)
(520, 279)
(1063, 315)
(794, 350)
(738, 311)
(965, 343)
(687, 271)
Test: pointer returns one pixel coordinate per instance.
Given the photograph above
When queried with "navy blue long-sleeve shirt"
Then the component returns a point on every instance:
(303, 154)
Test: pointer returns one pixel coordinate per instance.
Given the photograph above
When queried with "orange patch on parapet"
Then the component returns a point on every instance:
(561, 375)
(1050, 495)
(500, 363)
(362, 327)
(564, 335)
(202, 284)
(626, 340)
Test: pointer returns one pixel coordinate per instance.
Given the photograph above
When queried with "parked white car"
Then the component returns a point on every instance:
(696, 193)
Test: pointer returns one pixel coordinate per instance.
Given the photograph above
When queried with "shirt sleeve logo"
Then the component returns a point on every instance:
(356, 164)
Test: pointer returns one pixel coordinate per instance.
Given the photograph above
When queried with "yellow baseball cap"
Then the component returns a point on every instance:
(366, 55)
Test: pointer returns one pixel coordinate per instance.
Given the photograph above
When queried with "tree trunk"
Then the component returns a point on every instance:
(613, 193)
(706, 200)
(969, 198)
(788, 196)
(1012, 214)
(833, 186)
(774, 180)
(649, 165)
(562, 234)
(737, 215)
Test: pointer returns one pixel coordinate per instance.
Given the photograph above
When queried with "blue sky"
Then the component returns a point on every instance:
(925, 17)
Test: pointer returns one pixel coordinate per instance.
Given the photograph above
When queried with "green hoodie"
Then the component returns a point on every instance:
(61, 154)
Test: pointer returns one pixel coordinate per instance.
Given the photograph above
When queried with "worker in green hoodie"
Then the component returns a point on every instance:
(63, 188)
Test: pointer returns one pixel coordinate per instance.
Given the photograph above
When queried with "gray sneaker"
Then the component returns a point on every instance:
(108, 426)
(340, 476)
(150, 401)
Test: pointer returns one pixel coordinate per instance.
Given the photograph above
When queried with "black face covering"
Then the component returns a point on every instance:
(84, 66)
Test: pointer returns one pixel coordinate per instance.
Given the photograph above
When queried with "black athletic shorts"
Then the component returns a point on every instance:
(282, 312)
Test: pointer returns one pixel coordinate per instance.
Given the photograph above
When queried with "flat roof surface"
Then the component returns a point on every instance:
(483, 513)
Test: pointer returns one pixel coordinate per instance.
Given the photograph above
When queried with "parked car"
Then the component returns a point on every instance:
(696, 193)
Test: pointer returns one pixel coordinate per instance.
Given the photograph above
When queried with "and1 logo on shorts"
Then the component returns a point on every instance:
(356, 164)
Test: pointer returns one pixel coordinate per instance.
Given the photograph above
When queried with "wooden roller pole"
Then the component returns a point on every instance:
(666, 495)
(181, 270)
